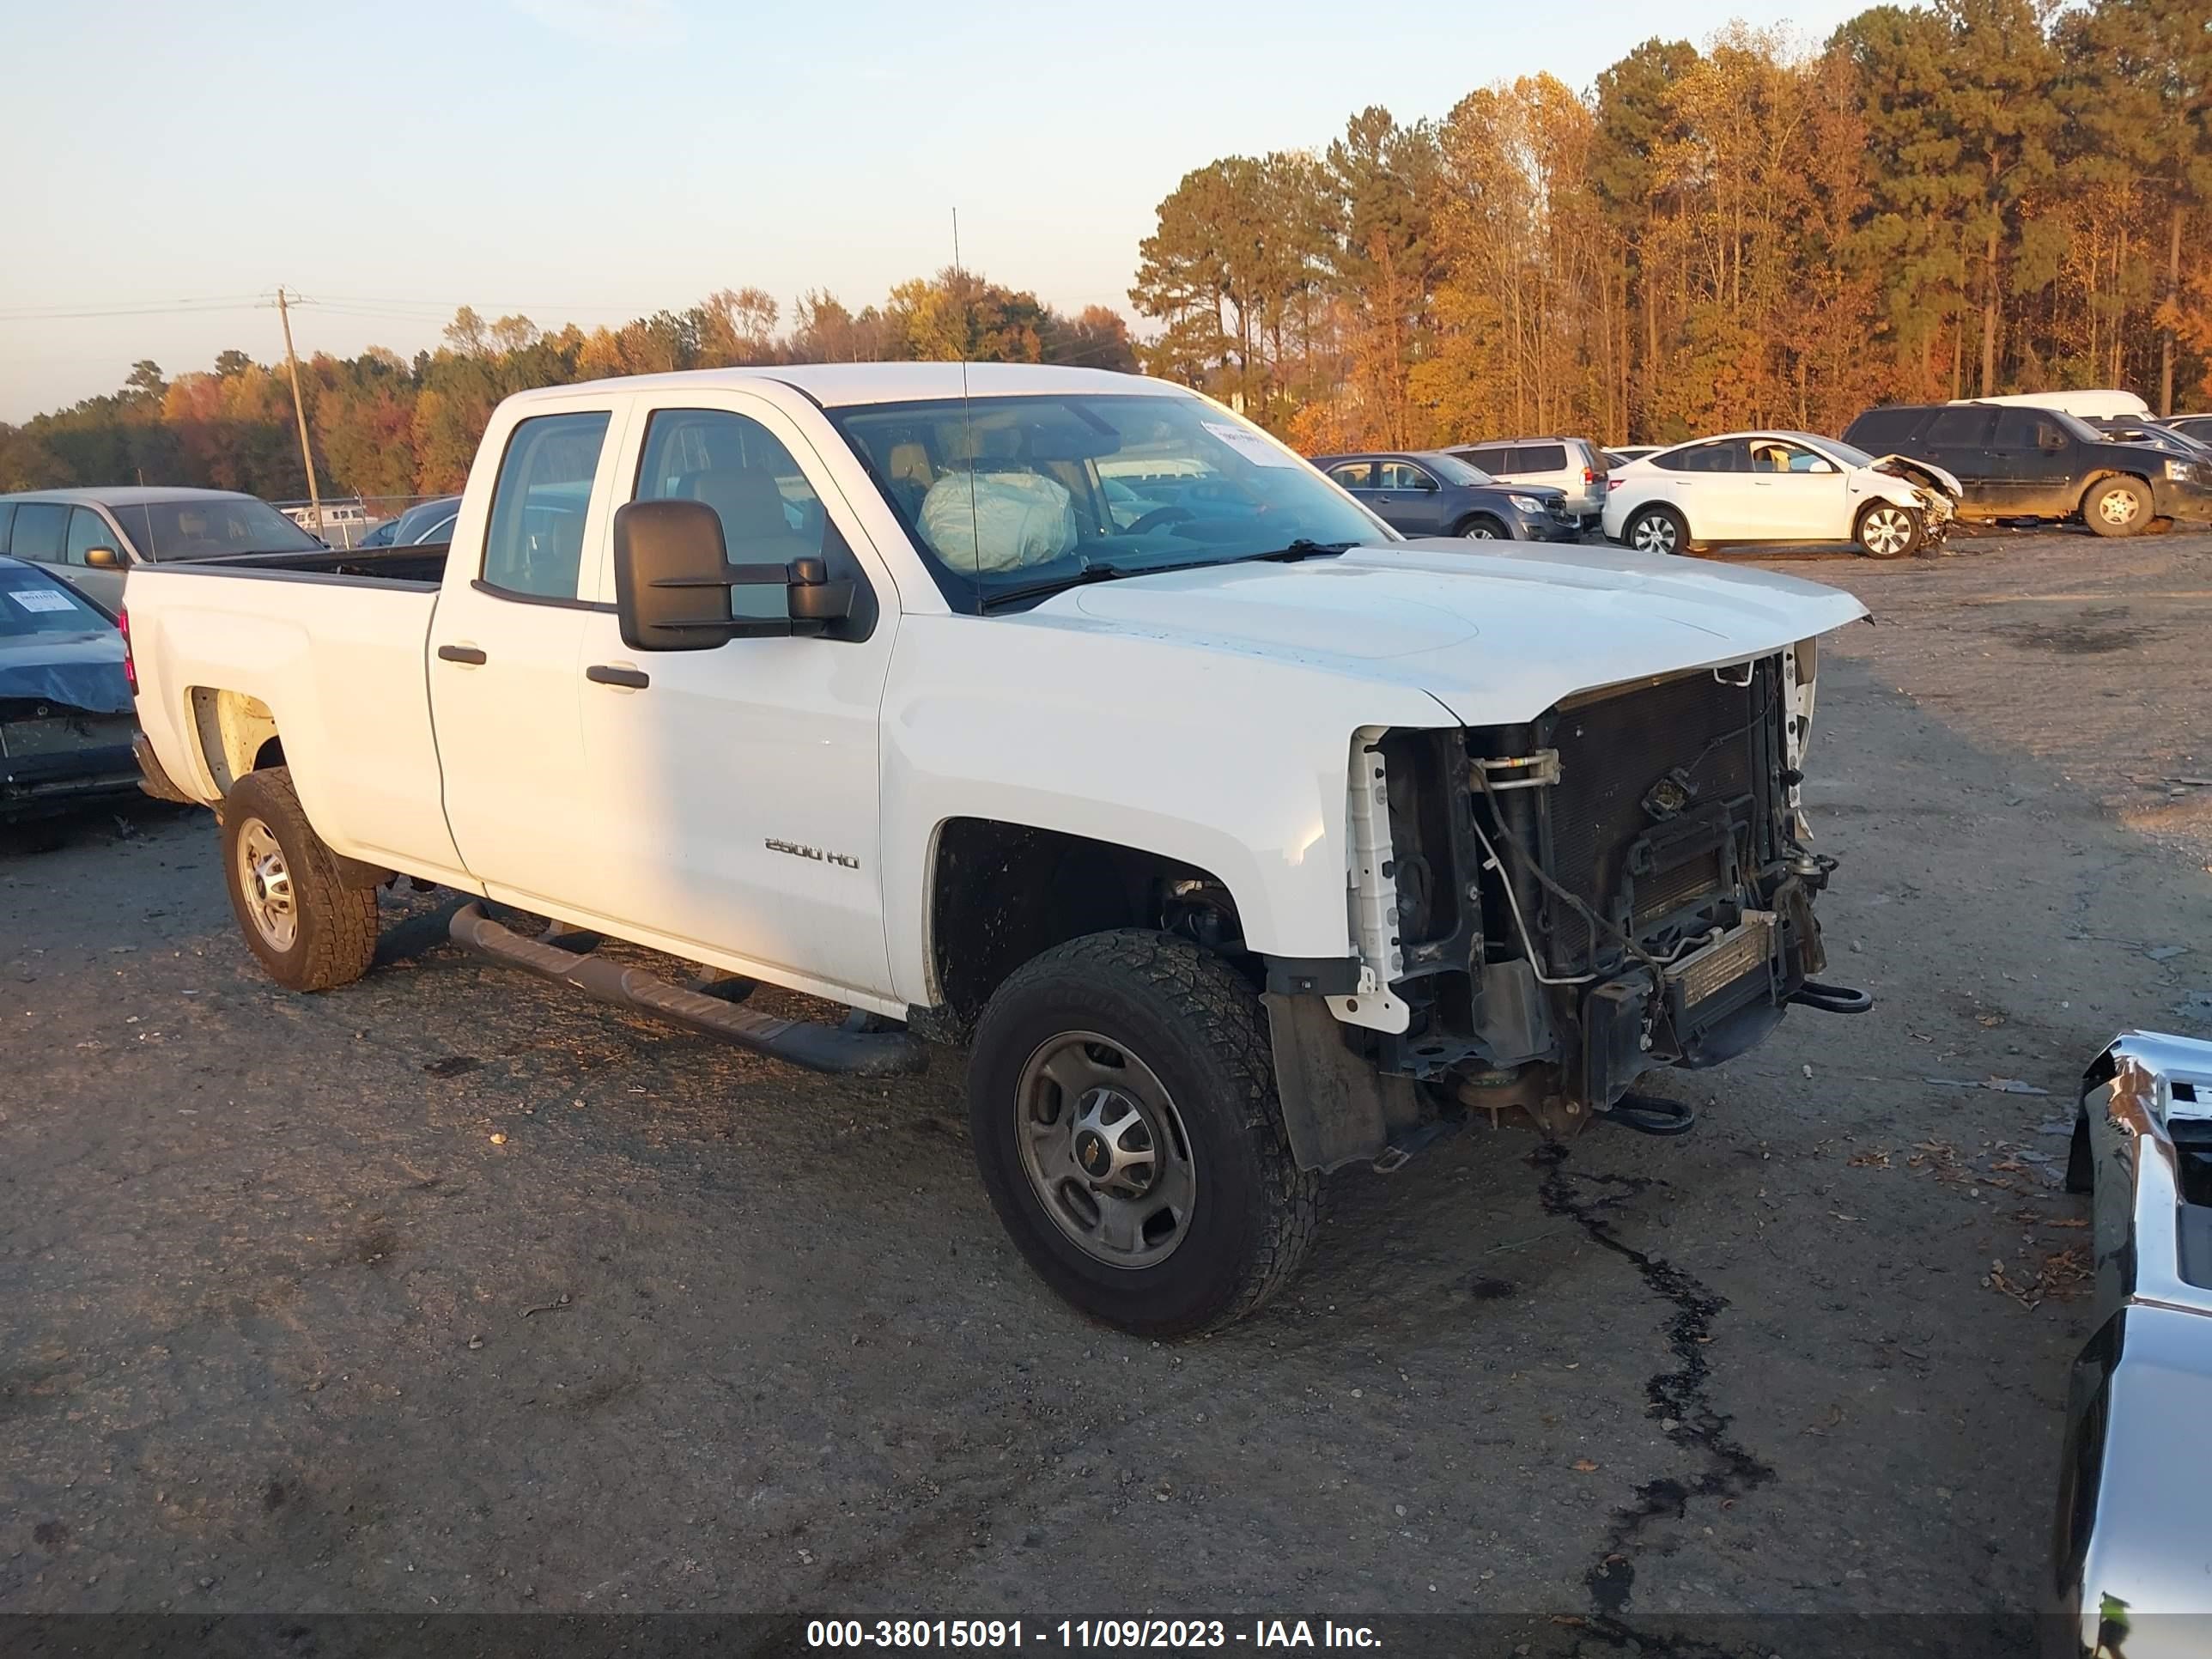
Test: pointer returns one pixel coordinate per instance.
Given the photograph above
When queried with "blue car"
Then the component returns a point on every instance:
(67, 721)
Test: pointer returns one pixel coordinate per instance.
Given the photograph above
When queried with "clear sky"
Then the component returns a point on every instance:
(593, 161)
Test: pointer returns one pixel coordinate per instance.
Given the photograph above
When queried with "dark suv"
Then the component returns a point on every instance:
(1426, 492)
(2019, 462)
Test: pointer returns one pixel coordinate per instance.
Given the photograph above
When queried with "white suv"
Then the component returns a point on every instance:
(1574, 465)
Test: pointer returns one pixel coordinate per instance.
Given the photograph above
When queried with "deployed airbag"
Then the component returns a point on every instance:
(998, 520)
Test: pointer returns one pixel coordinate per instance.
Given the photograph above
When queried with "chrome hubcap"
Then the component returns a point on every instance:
(1888, 530)
(266, 884)
(1105, 1150)
(2117, 506)
(1653, 535)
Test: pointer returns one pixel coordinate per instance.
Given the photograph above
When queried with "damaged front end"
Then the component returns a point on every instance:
(1935, 491)
(1620, 884)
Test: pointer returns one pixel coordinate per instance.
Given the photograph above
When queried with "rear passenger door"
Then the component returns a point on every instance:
(1957, 439)
(2028, 467)
(504, 640)
(1409, 499)
(1710, 483)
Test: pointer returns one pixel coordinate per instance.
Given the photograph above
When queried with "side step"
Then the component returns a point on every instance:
(797, 1042)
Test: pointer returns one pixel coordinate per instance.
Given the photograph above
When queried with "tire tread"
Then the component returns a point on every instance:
(338, 925)
(1226, 1020)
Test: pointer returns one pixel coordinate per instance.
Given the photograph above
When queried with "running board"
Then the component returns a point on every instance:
(799, 1043)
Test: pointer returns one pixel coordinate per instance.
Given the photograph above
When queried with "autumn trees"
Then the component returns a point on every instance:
(1944, 200)
(384, 427)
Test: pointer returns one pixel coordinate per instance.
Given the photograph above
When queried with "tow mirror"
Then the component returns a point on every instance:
(102, 558)
(674, 582)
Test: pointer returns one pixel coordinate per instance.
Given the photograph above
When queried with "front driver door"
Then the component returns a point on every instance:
(1408, 499)
(739, 786)
(1796, 494)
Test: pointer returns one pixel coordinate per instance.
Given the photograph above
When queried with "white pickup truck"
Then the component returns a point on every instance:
(1056, 715)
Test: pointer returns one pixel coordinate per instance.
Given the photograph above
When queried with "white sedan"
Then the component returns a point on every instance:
(1777, 487)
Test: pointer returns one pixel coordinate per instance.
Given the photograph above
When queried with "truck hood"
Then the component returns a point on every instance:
(1495, 638)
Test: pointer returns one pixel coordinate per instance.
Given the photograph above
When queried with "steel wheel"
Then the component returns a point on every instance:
(2117, 506)
(1655, 532)
(1105, 1150)
(1886, 532)
(264, 882)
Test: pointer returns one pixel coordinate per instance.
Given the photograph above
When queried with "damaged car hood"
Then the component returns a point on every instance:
(1925, 473)
(1495, 637)
(83, 672)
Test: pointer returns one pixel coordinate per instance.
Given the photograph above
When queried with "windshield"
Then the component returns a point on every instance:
(1454, 470)
(31, 602)
(1839, 451)
(1006, 492)
(208, 526)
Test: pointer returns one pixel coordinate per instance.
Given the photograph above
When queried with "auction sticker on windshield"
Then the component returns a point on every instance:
(39, 599)
(1252, 447)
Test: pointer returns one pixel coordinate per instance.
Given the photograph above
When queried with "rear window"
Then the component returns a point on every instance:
(41, 527)
(31, 602)
(209, 528)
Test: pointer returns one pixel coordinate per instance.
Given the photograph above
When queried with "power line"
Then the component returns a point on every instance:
(175, 308)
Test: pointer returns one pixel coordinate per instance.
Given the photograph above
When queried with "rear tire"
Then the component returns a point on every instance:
(310, 932)
(1887, 531)
(1115, 1080)
(1657, 530)
(2117, 506)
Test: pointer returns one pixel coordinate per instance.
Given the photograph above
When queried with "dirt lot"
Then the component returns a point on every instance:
(447, 1292)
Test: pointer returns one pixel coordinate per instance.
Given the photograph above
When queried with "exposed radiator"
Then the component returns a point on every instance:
(1613, 753)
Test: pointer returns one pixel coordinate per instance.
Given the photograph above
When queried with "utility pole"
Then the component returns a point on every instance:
(300, 410)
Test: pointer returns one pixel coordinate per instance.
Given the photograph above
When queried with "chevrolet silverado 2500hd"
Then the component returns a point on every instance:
(1057, 715)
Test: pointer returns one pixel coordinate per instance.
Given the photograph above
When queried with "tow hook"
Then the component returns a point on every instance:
(1651, 1114)
(1833, 999)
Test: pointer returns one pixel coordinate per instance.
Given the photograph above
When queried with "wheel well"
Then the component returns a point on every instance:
(1478, 517)
(2106, 477)
(237, 734)
(1001, 894)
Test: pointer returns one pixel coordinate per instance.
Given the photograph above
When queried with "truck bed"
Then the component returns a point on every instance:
(421, 566)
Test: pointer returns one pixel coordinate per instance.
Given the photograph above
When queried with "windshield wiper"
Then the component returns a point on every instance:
(1089, 573)
(1304, 548)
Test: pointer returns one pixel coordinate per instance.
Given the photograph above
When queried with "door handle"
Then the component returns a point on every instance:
(467, 653)
(635, 679)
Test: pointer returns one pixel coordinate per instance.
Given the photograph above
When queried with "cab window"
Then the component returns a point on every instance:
(770, 513)
(535, 547)
(1402, 475)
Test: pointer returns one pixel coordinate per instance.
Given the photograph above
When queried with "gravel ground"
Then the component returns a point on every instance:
(447, 1292)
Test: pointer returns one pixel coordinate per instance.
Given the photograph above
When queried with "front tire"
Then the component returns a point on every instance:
(1657, 530)
(2117, 507)
(309, 931)
(1887, 531)
(1121, 1100)
(1484, 528)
